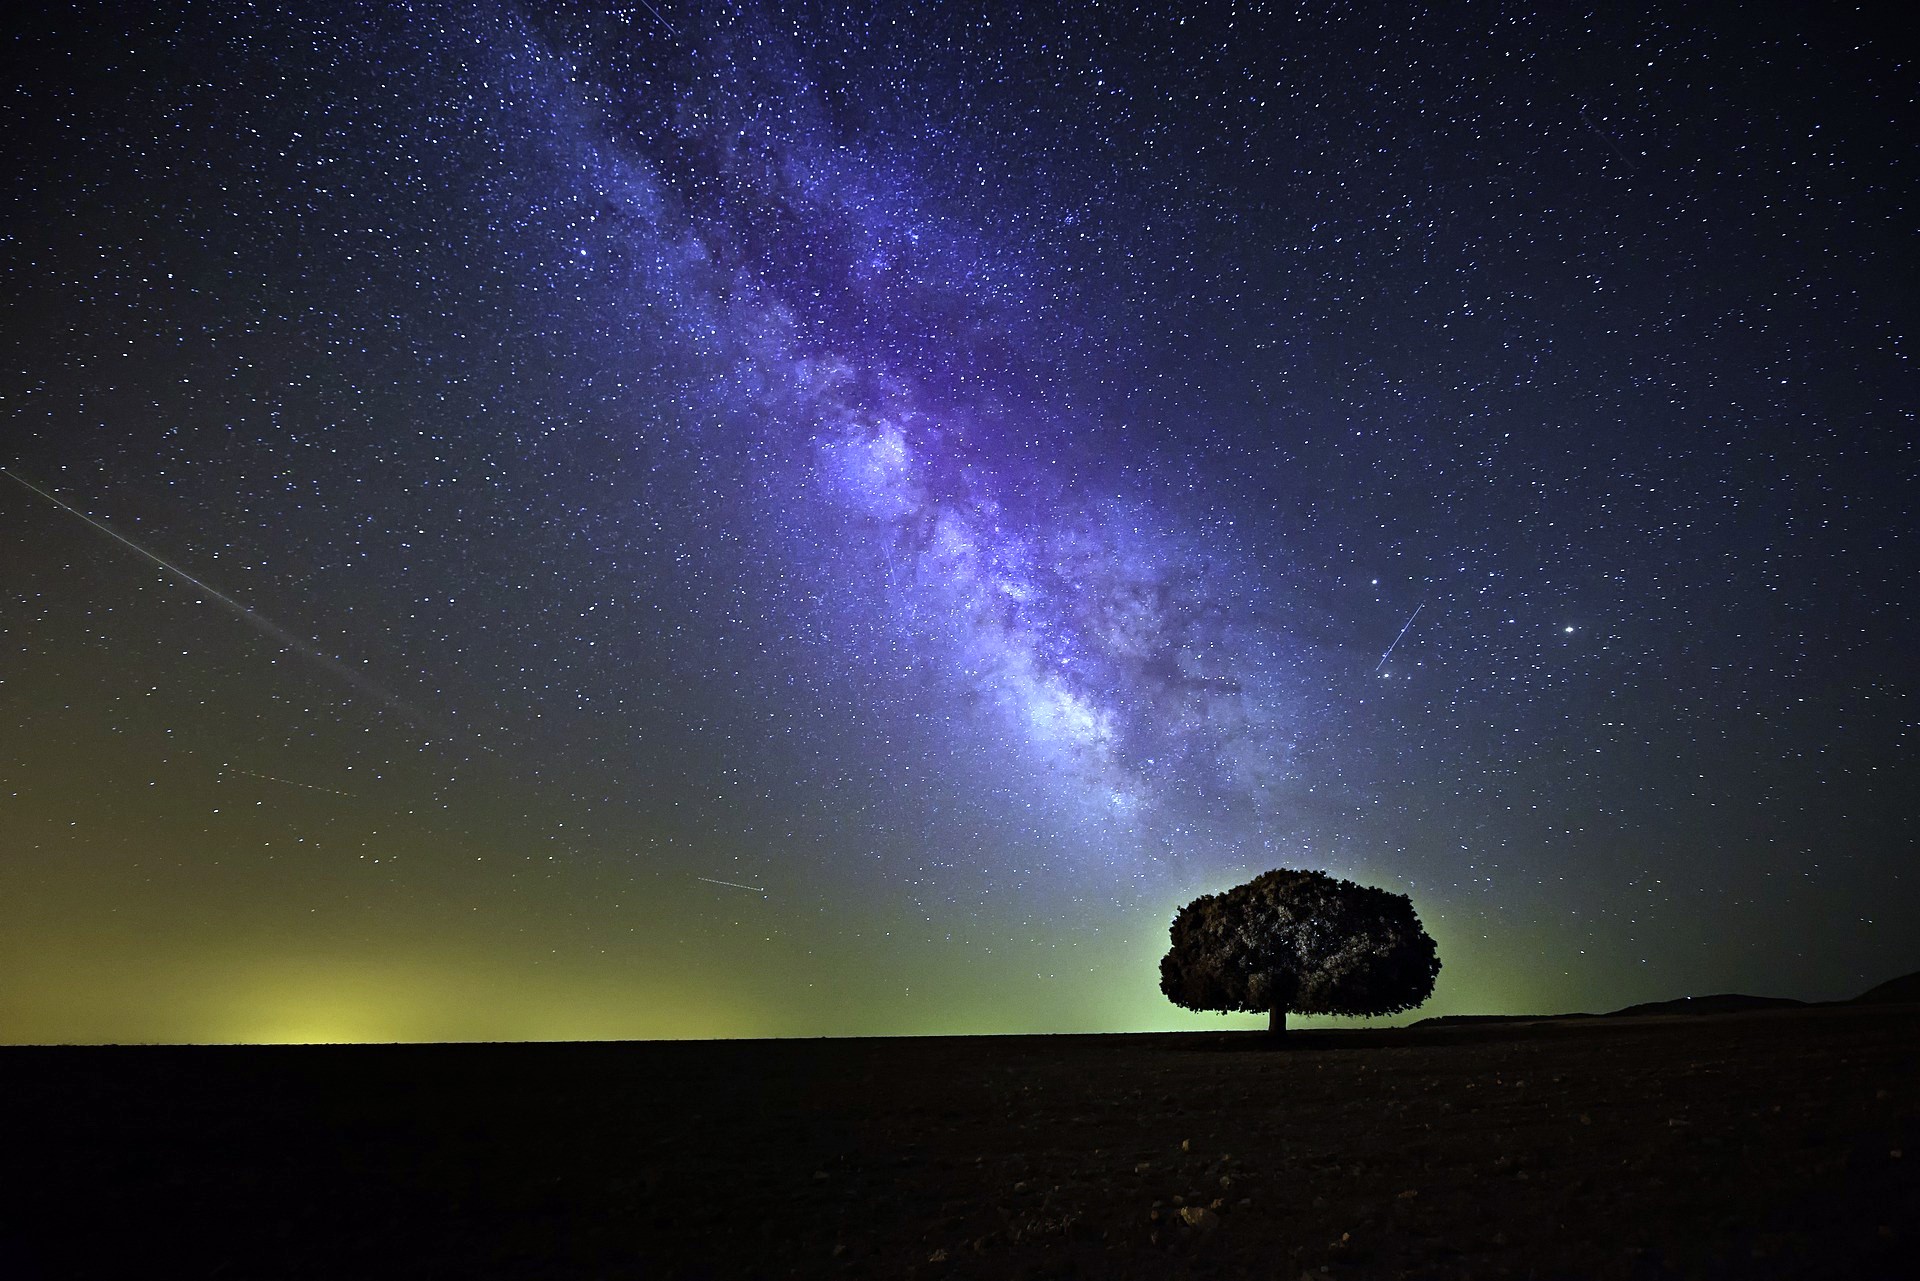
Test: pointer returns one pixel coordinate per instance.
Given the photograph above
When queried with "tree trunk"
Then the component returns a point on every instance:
(1277, 1021)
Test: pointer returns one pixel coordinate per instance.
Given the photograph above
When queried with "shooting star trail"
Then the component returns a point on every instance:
(1610, 139)
(662, 21)
(1396, 640)
(311, 787)
(757, 889)
(259, 622)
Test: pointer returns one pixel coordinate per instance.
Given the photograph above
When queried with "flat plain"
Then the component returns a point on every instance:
(1763, 1144)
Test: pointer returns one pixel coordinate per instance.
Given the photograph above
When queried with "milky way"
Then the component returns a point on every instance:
(1111, 649)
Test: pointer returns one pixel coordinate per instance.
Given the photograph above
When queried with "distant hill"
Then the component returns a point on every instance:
(1720, 1003)
(1904, 988)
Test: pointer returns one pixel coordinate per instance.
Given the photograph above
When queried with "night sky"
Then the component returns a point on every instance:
(696, 520)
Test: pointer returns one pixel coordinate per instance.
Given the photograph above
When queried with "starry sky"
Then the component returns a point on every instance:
(686, 520)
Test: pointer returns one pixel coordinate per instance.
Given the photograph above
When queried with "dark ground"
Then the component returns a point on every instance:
(1775, 1144)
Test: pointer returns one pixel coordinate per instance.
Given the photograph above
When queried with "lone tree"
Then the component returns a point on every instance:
(1300, 941)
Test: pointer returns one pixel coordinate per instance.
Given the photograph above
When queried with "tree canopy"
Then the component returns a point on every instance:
(1303, 942)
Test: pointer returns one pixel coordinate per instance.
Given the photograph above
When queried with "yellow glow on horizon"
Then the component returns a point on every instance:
(361, 1002)
(442, 982)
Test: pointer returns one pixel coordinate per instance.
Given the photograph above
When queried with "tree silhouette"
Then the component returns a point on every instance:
(1299, 941)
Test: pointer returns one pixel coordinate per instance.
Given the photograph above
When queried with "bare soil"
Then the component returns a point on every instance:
(1774, 1144)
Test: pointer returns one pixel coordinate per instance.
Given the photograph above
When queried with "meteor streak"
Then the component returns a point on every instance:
(259, 622)
(1396, 640)
(311, 787)
(657, 18)
(757, 889)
